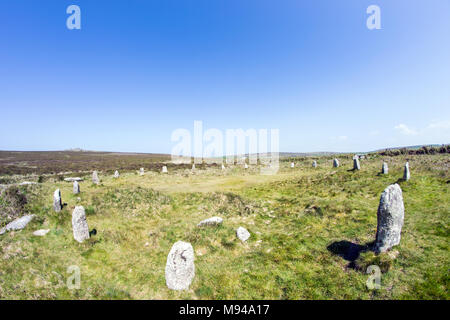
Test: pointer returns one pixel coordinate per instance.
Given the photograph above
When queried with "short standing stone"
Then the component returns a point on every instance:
(356, 165)
(214, 221)
(335, 163)
(242, 234)
(17, 224)
(384, 168)
(57, 202)
(76, 187)
(180, 268)
(164, 169)
(141, 171)
(292, 165)
(72, 179)
(95, 179)
(314, 164)
(26, 183)
(79, 224)
(41, 232)
(406, 173)
(116, 174)
(245, 166)
(390, 215)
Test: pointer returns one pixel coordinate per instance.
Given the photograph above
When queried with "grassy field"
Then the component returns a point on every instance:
(310, 231)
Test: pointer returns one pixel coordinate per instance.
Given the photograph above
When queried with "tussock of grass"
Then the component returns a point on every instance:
(12, 203)
(366, 259)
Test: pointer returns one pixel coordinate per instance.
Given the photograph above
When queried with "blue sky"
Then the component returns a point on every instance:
(137, 70)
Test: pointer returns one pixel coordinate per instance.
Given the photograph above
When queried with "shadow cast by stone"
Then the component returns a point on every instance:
(399, 181)
(348, 250)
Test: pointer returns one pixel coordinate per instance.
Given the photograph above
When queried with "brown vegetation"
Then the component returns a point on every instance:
(410, 151)
(53, 162)
(12, 203)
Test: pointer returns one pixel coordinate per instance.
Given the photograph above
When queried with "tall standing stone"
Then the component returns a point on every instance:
(314, 164)
(390, 215)
(193, 166)
(384, 168)
(116, 174)
(79, 224)
(223, 167)
(406, 173)
(57, 203)
(164, 169)
(95, 179)
(245, 165)
(141, 171)
(76, 187)
(335, 163)
(180, 268)
(292, 165)
(356, 165)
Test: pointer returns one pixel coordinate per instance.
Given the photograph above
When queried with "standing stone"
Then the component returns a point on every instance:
(79, 224)
(71, 179)
(245, 165)
(335, 163)
(180, 268)
(41, 232)
(27, 183)
(76, 187)
(223, 167)
(356, 165)
(141, 171)
(384, 168)
(406, 174)
(292, 165)
(17, 224)
(214, 221)
(390, 215)
(57, 203)
(116, 174)
(95, 179)
(193, 166)
(242, 234)
(164, 169)
(314, 164)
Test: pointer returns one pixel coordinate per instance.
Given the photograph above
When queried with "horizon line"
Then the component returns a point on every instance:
(280, 152)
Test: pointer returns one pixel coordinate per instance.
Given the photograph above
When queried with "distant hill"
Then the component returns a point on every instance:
(309, 154)
(419, 149)
(75, 150)
(412, 147)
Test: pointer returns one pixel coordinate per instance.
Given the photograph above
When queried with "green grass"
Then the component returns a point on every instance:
(310, 230)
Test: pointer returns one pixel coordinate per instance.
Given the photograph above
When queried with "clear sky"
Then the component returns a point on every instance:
(139, 69)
